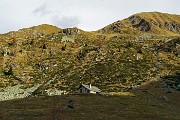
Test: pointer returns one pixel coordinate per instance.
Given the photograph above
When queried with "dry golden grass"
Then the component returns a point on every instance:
(160, 17)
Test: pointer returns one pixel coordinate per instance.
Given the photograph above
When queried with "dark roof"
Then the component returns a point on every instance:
(93, 88)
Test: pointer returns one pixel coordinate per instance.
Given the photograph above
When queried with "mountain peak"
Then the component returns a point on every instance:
(43, 28)
(152, 22)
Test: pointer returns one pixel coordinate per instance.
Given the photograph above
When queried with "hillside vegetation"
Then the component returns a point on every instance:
(121, 56)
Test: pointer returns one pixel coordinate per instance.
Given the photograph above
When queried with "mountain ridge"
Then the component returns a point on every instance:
(153, 22)
(128, 24)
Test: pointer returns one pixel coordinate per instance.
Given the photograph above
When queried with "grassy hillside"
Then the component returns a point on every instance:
(135, 62)
(121, 58)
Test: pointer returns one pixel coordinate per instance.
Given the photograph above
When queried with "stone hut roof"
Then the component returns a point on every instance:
(91, 88)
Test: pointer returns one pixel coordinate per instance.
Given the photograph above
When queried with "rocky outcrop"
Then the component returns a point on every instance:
(113, 27)
(16, 91)
(153, 21)
(71, 31)
(118, 27)
(172, 26)
(54, 91)
(140, 23)
(171, 46)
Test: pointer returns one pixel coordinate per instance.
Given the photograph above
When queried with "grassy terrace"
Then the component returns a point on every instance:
(145, 103)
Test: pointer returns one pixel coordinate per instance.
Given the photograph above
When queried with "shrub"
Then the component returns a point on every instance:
(9, 72)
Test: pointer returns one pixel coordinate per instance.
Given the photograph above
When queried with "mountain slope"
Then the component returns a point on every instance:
(128, 53)
(152, 22)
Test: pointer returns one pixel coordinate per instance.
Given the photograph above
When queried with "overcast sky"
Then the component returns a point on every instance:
(85, 14)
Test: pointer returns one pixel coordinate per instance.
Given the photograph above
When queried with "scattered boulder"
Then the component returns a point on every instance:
(165, 99)
(71, 104)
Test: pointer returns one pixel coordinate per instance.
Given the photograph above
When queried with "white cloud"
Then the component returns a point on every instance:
(42, 10)
(66, 22)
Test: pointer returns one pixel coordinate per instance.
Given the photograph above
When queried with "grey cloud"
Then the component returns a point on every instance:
(42, 10)
(66, 21)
